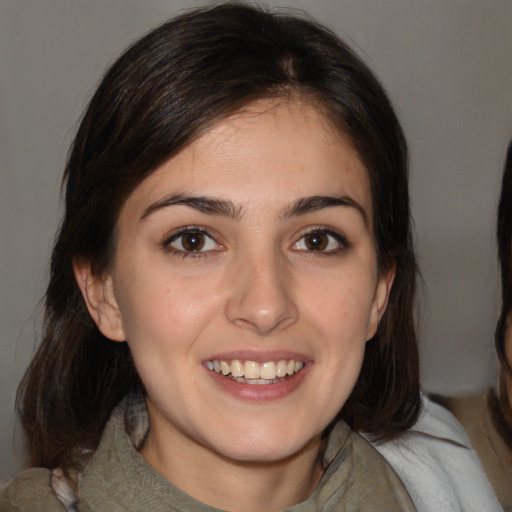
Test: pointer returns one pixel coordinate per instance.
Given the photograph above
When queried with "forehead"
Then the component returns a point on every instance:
(273, 151)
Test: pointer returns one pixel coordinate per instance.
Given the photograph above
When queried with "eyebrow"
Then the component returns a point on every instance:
(315, 203)
(226, 208)
(203, 204)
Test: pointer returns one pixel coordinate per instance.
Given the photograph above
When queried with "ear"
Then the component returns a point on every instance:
(99, 296)
(380, 300)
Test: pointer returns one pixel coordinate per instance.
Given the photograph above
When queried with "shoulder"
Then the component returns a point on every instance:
(440, 424)
(490, 436)
(474, 413)
(438, 465)
(30, 491)
(359, 477)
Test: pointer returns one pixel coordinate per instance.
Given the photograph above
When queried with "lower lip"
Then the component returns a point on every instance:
(260, 392)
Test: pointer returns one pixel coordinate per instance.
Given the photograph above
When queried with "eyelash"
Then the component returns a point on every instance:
(338, 237)
(190, 230)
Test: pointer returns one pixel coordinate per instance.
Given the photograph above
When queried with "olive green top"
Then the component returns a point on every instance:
(117, 478)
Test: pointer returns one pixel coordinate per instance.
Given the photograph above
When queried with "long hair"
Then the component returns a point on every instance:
(504, 325)
(164, 92)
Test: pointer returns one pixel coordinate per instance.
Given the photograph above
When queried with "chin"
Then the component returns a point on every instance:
(263, 446)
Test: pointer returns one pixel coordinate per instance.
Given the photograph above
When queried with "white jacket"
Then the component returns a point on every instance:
(438, 465)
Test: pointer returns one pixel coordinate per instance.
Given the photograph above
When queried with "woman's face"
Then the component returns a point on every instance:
(245, 282)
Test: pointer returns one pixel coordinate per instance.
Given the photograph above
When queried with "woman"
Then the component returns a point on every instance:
(488, 417)
(232, 286)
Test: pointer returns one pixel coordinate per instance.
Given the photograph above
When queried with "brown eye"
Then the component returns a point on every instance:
(192, 241)
(321, 241)
(316, 241)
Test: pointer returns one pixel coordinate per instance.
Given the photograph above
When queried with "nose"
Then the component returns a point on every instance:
(261, 297)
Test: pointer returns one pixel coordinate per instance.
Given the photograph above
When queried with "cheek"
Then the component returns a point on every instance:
(342, 305)
(159, 310)
(341, 318)
(162, 329)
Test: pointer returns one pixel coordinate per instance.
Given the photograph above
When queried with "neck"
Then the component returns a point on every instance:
(233, 485)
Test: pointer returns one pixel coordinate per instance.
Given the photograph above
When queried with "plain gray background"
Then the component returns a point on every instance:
(447, 65)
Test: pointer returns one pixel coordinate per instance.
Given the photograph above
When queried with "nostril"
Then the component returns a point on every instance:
(263, 322)
(262, 319)
(261, 298)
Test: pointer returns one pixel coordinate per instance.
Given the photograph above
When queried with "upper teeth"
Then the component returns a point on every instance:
(252, 370)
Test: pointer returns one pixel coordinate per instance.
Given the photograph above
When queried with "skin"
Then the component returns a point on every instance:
(256, 290)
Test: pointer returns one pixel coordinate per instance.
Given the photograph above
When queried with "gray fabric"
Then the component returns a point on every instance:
(118, 479)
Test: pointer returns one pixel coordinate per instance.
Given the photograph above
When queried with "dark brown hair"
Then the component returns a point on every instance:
(160, 95)
(503, 328)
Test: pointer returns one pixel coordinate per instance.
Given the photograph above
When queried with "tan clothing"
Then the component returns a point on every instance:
(117, 479)
(480, 417)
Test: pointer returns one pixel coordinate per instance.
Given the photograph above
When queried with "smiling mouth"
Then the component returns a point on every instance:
(252, 372)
